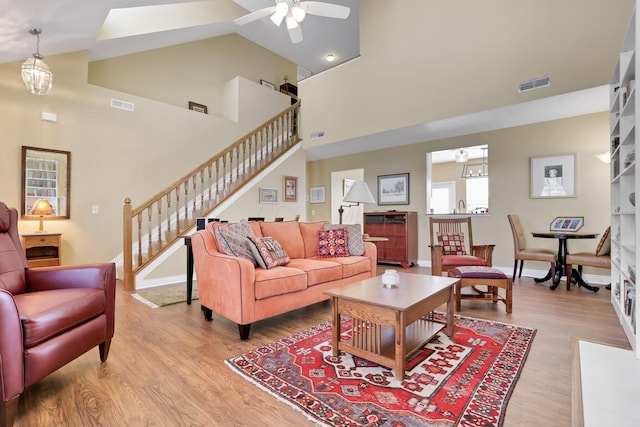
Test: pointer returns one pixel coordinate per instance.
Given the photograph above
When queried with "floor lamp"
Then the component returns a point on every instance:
(358, 193)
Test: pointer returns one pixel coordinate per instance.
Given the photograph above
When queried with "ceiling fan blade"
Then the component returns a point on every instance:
(328, 10)
(254, 16)
(295, 34)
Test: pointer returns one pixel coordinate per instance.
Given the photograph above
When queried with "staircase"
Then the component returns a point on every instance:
(155, 225)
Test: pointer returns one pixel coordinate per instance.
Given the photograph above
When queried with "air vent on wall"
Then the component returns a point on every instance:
(122, 105)
(536, 83)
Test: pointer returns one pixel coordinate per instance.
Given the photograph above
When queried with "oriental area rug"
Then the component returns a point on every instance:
(464, 380)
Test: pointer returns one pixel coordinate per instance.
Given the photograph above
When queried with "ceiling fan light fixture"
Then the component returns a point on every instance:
(276, 18)
(282, 8)
(36, 75)
(298, 13)
(291, 22)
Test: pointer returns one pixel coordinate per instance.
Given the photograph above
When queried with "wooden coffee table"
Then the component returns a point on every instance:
(389, 323)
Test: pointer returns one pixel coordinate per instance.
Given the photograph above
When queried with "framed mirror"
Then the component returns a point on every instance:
(46, 174)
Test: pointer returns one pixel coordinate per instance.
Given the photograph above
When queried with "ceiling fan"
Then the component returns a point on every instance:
(293, 12)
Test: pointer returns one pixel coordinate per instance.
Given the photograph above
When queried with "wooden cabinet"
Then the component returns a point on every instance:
(42, 249)
(625, 228)
(401, 228)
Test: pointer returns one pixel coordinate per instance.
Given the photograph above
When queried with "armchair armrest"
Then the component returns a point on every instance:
(485, 252)
(96, 276)
(11, 350)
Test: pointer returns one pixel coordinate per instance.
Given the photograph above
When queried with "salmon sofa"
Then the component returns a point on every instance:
(238, 289)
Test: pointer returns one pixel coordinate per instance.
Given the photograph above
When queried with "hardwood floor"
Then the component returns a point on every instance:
(166, 366)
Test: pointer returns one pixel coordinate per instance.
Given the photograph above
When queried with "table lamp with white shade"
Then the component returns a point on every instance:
(358, 193)
(41, 207)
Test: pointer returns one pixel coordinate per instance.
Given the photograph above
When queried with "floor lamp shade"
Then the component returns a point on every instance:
(358, 193)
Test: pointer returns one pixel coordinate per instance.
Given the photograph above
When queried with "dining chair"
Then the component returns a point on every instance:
(522, 253)
(452, 245)
(601, 258)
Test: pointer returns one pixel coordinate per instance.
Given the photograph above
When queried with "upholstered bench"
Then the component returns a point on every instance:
(477, 275)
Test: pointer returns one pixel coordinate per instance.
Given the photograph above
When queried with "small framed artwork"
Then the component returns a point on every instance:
(267, 84)
(317, 194)
(553, 176)
(197, 107)
(346, 186)
(567, 223)
(268, 195)
(393, 189)
(290, 186)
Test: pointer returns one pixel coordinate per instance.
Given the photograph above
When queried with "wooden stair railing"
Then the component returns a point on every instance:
(155, 225)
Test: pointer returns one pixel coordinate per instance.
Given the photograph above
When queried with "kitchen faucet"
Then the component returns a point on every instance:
(464, 205)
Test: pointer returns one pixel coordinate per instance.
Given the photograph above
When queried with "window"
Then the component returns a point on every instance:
(443, 197)
(477, 194)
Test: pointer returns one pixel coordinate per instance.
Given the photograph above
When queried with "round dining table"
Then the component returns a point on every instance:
(563, 237)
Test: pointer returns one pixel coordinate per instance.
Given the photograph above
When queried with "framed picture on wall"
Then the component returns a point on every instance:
(268, 195)
(553, 176)
(317, 194)
(346, 186)
(290, 186)
(393, 189)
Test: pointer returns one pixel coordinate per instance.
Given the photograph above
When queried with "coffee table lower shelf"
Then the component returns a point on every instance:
(377, 343)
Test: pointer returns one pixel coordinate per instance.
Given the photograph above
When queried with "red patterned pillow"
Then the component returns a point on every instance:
(333, 243)
(452, 243)
(267, 252)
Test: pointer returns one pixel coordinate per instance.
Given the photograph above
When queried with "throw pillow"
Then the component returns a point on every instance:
(604, 246)
(267, 252)
(452, 243)
(233, 240)
(354, 237)
(333, 243)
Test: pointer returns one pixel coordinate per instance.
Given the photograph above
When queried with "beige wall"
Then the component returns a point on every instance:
(411, 71)
(202, 68)
(114, 153)
(510, 150)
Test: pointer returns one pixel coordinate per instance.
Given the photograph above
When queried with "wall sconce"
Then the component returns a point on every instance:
(604, 157)
(35, 72)
(41, 207)
(358, 193)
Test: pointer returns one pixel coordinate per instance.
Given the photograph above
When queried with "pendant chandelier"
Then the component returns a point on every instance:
(35, 72)
(476, 170)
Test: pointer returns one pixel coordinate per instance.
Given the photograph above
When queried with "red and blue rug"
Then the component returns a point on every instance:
(465, 380)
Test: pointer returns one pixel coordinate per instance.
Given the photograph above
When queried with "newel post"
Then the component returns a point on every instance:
(127, 251)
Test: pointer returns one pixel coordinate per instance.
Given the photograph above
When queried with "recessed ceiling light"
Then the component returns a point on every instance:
(330, 57)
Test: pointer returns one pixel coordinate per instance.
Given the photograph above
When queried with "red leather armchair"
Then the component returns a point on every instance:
(48, 316)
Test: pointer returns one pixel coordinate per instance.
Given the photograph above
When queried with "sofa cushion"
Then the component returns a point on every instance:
(352, 265)
(354, 237)
(267, 252)
(333, 243)
(318, 270)
(232, 240)
(46, 314)
(604, 246)
(278, 281)
(452, 243)
(288, 234)
(309, 231)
